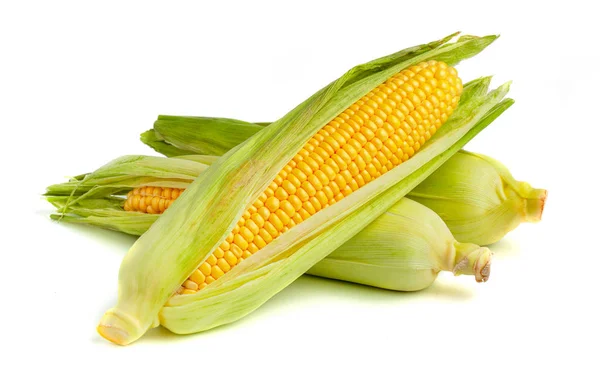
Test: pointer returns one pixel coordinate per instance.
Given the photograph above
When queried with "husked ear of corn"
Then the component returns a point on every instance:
(481, 201)
(315, 144)
(380, 131)
(404, 249)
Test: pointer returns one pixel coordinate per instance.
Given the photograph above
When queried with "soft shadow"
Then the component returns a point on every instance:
(449, 291)
(309, 287)
(160, 334)
(505, 247)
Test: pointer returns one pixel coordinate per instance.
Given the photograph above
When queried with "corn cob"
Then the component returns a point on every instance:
(381, 130)
(187, 234)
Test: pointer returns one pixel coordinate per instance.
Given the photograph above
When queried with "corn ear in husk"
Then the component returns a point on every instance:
(261, 276)
(481, 201)
(404, 249)
(97, 198)
(185, 235)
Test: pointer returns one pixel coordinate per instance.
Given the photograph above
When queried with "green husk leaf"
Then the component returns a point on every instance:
(127, 172)
(220, 134)
(156, 142)
(200, 219)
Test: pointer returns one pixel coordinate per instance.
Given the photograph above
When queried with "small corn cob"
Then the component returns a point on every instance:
(204, 218)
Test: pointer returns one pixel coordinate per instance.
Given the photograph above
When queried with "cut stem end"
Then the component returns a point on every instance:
(119, 327)
(473, 260)
(534, 205)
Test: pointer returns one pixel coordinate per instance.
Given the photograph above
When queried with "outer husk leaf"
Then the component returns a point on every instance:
(217, 138)
(200, 219)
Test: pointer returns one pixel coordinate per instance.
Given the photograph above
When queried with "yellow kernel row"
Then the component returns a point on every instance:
(151, 200)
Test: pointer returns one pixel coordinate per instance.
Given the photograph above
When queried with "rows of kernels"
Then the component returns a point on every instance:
(152, 200)
(378, 132)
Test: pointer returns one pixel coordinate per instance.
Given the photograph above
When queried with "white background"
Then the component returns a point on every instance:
(80, 80)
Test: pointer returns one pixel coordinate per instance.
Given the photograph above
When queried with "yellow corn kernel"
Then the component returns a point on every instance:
(216, 272)
(191, 285)
(259, 242)
(231, 259)
(197, 276)
(205, 269)
(211, 260)
(223, 265)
